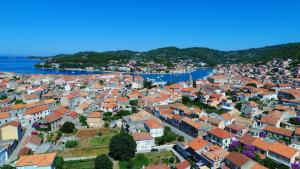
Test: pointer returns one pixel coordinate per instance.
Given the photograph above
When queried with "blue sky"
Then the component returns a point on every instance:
(47, 27)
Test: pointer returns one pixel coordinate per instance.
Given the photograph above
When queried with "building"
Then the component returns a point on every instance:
(239, 161)
(144, 141)
(220, 137)
(36, 113)
(37, 161)
(154, 128)
(282, 153)
(250, 109)
(94, 119)
(278, 133)
(11, 130)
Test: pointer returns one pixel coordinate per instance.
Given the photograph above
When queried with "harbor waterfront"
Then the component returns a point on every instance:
(25, 65)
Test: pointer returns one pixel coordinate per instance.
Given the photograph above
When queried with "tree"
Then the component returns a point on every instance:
(148, 84)
(251, 84)
(238, 106)
(58, 162)
(103, 162)
(68, 127)
(122, 146)
(7, 167)
(133, 102)
(185, 99)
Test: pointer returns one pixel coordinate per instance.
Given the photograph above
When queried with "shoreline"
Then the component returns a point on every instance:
(134, 73)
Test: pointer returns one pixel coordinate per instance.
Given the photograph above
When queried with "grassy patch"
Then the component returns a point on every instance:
(146, 159)
(99, 141)
(79, 164)
(91, 146)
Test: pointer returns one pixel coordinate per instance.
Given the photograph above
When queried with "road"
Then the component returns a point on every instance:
(178, 132)
(15, 153)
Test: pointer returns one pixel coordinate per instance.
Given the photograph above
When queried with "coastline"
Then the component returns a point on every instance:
(134, 73)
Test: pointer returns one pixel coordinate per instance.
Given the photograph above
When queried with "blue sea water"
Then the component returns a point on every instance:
(26, 66)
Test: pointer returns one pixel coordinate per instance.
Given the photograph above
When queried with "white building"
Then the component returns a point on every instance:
(154, 128)
(144, 141)
(250, 109)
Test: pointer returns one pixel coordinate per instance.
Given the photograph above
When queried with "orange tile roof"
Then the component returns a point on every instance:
(297, 131)
(227, 116)
(198, 143)
(282, 150)
(37, 109)
(41, 160)
(52, 117)
(153, 124)
(183, 165)
(278, 130)
(12, 123)
(142, 136)
(237, 159)
(223, 134)
(191, 122)
(158, 166)
(95, 115)
(4, 115)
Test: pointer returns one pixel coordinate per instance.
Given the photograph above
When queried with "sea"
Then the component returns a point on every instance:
(24, 65)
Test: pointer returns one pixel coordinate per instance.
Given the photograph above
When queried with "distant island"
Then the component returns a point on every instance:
(166, 60)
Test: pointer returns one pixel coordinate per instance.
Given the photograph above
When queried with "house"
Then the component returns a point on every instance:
(32, 142)
(30, 98)
(109, 107)
(250, 109)
(158, 166)
(11, 130)
(296, 138)
(94, 119)
(228, 118)
(214, 156)
(282, 153)
(220, 137)
(236, 129)
(197, 146)
(123, 102)
(154, 128)
(83, 108)
(216, 122)
(183, 165)
(144, 141)
(38, 161)
(36, 113)
(193, 128)
(278, 133)
(4, 117)
(53, 120)
(259, 144)
(72, 100)
(239, 161)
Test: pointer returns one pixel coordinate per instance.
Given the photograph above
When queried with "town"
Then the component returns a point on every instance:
(242, 116)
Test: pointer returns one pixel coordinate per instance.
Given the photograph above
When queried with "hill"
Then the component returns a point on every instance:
(172, 56)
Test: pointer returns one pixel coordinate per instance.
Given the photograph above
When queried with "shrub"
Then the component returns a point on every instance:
(68, 127)
(103, 162)
(71, 144)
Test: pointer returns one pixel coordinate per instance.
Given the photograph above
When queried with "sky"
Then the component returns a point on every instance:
(49, 27)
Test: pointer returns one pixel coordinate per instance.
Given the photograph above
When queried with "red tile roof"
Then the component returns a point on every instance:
(142, 136)
(223, 134)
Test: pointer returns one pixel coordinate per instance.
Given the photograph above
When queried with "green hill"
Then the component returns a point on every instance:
(171, 55)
